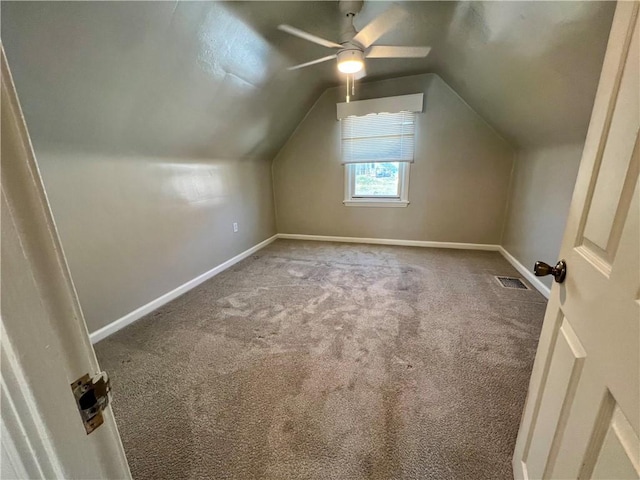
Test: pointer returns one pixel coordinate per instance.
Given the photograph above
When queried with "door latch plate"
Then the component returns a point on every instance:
(92, 396)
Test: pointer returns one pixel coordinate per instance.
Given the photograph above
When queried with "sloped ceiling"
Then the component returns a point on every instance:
(208, 79)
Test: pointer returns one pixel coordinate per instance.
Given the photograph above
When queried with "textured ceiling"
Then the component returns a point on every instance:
(209, 79)
(529, 68)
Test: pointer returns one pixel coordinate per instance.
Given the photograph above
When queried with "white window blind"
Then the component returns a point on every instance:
(378, 137)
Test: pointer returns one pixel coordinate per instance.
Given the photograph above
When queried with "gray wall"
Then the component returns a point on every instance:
(541, 190)
(134, 228)
(134, 110)
(458, 186)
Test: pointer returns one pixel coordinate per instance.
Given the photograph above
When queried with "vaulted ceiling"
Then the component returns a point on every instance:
(202, 79)
(529, 68)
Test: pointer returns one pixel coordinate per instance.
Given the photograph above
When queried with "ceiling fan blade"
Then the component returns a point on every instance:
(385, 51)
(380, 25)
(309, 37)
(313, 62)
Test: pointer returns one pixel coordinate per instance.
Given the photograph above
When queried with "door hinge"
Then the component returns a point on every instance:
(92, 396)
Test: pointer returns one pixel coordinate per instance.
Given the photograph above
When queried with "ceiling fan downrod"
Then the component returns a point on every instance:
(349, 9)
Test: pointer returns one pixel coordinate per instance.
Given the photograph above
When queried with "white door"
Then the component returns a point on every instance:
(582, 416)
(44, 341)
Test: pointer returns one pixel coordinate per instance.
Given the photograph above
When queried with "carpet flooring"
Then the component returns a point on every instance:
(312, 360)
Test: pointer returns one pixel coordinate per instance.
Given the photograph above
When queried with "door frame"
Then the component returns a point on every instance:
(42, 432)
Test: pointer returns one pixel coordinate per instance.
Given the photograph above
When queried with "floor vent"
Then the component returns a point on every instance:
(511, 282)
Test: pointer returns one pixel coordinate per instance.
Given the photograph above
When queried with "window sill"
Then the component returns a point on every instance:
(375, 203)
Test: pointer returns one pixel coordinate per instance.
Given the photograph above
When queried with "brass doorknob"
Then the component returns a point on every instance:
(559, 272)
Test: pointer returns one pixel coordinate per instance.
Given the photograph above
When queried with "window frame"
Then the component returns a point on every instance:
(402, 200)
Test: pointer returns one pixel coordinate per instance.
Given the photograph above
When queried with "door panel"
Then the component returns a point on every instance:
(582, 415)
(615, 172)
(564, 372)
(617, 451)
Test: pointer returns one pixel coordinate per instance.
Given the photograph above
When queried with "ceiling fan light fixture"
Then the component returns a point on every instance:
(350, 61)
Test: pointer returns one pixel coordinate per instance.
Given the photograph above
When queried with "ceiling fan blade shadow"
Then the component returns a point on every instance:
(387, 51)
(308, 36)
(313, 62)
(380, 25)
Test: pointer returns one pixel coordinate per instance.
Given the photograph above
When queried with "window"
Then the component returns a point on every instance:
(377, 150)
(379, 184)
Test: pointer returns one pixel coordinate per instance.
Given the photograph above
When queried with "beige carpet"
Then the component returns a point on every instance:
(318, 360)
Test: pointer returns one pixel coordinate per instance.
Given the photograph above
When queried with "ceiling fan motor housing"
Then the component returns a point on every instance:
(350, 60)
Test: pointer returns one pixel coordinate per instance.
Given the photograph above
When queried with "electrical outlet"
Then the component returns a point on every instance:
(235, 227)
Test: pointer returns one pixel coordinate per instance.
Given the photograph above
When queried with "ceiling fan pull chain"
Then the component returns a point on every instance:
(348, 96)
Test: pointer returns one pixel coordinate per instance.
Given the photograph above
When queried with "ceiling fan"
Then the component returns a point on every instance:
(355, 46)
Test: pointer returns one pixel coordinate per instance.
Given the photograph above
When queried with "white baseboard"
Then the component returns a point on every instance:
(392, 241)
(535, 281)
(526, 273)
(167, 297)
(128, 319)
